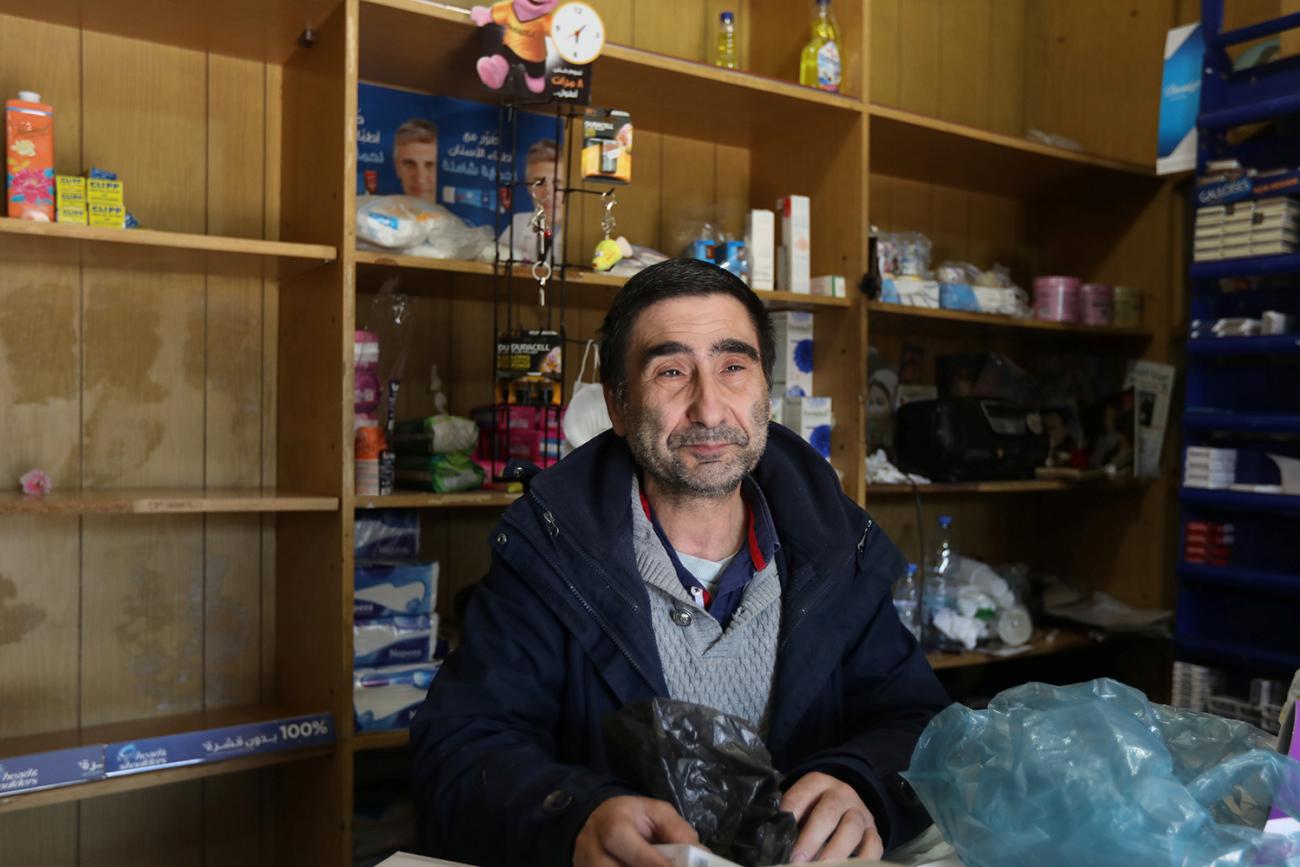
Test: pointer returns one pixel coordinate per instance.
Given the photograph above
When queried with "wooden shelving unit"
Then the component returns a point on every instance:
(381, 740)
(195, 378)
(1022, 486)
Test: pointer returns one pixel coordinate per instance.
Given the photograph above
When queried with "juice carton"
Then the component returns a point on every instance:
(29, 157)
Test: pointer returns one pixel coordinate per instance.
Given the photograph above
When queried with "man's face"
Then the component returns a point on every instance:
(417, 168)
(696, 407)
(544, 194)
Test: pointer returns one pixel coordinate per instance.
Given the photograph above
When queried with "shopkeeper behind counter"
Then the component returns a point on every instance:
(696, 552)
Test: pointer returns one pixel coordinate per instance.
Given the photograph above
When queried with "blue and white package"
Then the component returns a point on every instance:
(958, 296)
(387, 698)
(1180, 99)
(37, 771)
(388, 589)
(393, 641)
(218, 744)
(386, 534)
(792, 370)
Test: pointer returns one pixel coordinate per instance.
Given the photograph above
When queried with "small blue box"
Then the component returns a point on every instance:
(958, 296)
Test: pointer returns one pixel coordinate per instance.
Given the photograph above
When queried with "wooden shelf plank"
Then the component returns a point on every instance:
(595, 289)
(256, 29)
(177, 241)
(412, 44)
(909, 145)
(886, 315)
(1044, 642)
(163, 501)
(381, 740)
(1020, 486)
(133, 730)
(423, 500)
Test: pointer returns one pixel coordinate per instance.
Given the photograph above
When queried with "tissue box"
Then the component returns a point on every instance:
(792, 370)
(760, 238)
(795, 271)
(387, 698)
(386, 589)
(811, 418)
(393, 641)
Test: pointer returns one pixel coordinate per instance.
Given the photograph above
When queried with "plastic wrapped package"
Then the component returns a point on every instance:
(903, 254)
(387, 534)
(419, 228)
(1095, 773)
(713, 768)
(435, 434)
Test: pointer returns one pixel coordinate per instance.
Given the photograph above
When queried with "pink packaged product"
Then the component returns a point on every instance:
(1096, 303)
(1056, 299)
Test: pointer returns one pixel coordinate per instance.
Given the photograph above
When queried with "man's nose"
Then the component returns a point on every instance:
(707, 407)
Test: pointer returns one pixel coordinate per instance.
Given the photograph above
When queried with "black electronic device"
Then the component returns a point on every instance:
(969, 439)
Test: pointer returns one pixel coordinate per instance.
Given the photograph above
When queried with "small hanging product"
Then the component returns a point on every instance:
(609, 252)
(542, 263)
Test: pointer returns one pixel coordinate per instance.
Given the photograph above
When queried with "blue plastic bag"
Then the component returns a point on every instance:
(1095, 774)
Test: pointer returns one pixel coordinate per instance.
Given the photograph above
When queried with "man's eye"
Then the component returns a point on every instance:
(670, 372)
(734, 368)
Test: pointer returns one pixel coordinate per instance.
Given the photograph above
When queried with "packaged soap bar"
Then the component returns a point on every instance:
(70, 193)
(104, 191)
(29, 157)
(106, 215)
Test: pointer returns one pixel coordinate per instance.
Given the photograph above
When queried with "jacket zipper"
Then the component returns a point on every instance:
(824, 588)
(554, 530)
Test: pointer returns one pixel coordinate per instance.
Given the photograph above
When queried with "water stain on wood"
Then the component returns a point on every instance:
(121, 348)
(39, 335)
(17, 619)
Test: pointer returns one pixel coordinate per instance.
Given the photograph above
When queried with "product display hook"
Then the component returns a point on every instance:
(542, 274)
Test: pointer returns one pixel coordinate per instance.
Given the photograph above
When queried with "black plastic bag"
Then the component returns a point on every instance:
(713, 768)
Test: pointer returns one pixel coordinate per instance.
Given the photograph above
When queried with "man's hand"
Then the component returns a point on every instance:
(834, 824)
(619, 833)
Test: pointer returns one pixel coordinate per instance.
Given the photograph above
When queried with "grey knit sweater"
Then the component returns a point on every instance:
(731, 671)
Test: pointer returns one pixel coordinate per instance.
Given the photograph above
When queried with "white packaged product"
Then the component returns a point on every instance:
(794, 271)
(812, 419)
(760, 240)
(388, 697)
(394, 641)
(792, 370)
(393, 589)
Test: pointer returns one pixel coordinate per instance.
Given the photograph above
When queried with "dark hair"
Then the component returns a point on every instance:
(674, 278)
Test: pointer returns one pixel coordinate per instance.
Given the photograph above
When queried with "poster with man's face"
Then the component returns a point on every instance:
(446, 151)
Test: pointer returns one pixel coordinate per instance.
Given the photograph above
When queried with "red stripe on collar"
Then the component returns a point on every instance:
(755, 552)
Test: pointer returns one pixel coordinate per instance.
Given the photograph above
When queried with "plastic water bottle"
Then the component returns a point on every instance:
(940, 567)
(725, 49)
(907, 599)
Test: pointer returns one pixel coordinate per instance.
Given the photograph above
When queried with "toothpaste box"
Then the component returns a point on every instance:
(792, 369)
(47, 770)
(394, 641)
(760, 239)
(387, 698)
(812, 419)
(393, 589)
(795, 271)
(218, 744)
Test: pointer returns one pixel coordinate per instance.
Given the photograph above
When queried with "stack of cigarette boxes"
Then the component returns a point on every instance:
(1207, 467)
(1251, 228)
(1208, 542)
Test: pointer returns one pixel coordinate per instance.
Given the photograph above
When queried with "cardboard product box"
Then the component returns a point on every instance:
(101, 191)
(794, 273)
(812, 419)
(70, 199)
(607, 145)
(831, 286)
(792, 370)
(106, 215)
(760, 239)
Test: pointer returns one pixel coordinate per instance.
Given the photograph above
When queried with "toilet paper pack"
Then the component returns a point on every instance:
(394, 641)
(394, 589)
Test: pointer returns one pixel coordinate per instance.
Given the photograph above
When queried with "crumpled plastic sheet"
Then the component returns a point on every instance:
(713, 768)
(1095, 774)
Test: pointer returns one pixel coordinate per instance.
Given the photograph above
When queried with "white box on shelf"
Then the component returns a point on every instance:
(830, 286)
(812, 419)
(760, 240)
(792, 371)
(795, 272)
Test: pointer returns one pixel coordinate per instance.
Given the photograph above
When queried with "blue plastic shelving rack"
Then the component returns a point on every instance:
(1244, 392)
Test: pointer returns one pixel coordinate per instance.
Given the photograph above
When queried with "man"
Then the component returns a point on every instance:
(693, 552)
(415, 159)
(544, 178)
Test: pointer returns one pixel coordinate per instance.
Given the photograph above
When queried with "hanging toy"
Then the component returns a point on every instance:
(609, 252)
(524, 24)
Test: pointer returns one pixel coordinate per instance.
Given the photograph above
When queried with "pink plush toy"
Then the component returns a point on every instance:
(525, 25)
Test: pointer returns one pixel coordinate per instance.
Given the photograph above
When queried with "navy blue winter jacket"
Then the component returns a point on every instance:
(508, 757)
